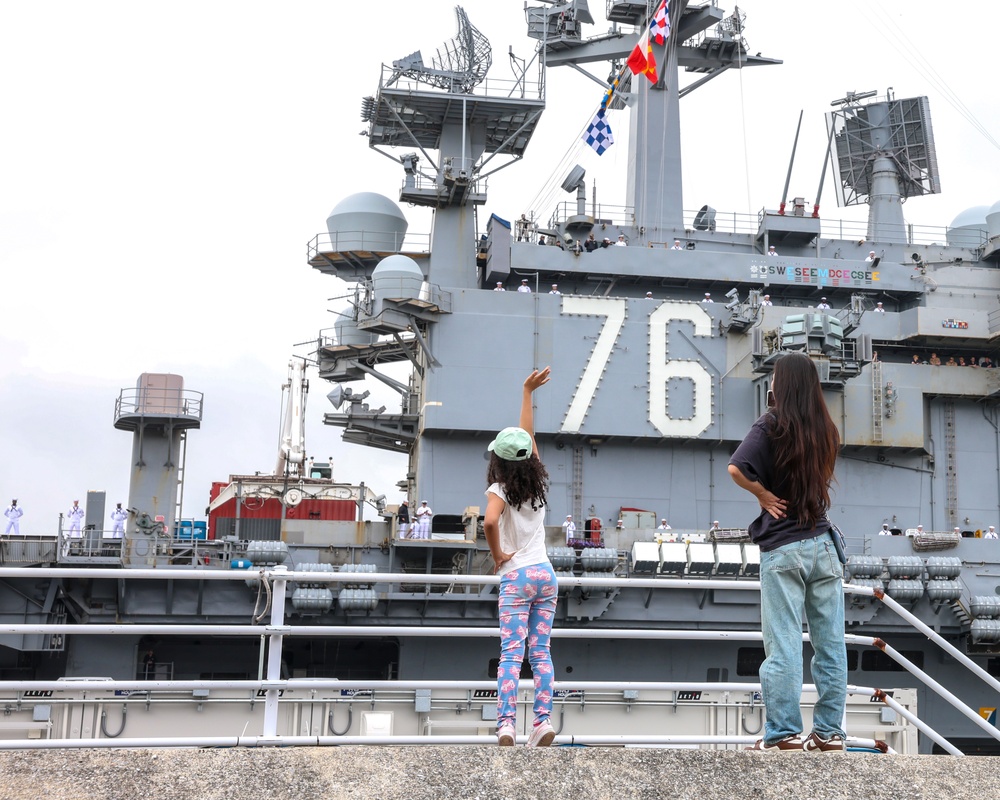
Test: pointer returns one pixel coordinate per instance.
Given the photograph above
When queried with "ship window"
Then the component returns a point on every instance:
(526, 672)
(877, 661)
(748, 661)
(852, 660)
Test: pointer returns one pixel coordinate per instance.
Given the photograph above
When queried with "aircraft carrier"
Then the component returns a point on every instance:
(661, 344)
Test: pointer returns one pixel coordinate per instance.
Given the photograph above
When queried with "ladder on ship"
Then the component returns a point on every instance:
(878, 408)
(950, 461)
(181, 462)
(578, 486)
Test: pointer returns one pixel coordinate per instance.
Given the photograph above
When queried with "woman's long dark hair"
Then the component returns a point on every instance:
(522, 481)
(804, 439)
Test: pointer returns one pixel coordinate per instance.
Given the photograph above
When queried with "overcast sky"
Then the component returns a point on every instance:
(163, 167)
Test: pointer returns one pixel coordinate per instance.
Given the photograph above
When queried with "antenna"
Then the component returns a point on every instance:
(897, 129)
(460, 65)
(791, 162)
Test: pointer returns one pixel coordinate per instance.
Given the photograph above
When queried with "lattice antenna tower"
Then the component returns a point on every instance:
(460, 65)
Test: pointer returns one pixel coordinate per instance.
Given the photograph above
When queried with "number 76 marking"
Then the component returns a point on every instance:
(661, 368)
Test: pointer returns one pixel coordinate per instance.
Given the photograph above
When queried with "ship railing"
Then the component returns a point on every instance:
(907, 233)
(103, 547)
(489, 86)
(735, 222)
(27, 549)
(143, 401)
(368, 241)
(277, 578)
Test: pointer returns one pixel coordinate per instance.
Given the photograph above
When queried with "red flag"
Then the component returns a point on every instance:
(641, 60)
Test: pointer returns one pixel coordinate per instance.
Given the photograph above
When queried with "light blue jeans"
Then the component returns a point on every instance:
(807, 575)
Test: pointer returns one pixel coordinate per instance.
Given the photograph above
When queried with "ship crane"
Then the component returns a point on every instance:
(292, 446)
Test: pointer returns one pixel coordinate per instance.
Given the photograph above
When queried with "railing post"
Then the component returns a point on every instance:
(274, 652)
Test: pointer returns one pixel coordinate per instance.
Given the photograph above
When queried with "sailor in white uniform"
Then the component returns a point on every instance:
(885, 530)
(569, 528)
(524, 288)
(663, 526)
(823, 304)
(13, 514)
(118, 517)
(766, 300)
(499, 287)
(707, 298)
(555, 289)
(75, 515)
(677, 245)
(423, 515)
(771, 251)
(871, 256)
(991, 533)
(878, 309)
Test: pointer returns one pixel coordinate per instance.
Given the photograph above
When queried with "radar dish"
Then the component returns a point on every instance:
(460, 65)
(574, 179)
(899, 130)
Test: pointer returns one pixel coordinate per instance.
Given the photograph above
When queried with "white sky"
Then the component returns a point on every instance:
(162, 168)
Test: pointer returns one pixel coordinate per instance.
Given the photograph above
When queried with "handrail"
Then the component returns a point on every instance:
(278, 628)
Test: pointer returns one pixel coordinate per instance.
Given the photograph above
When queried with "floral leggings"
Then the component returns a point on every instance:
(527, 606)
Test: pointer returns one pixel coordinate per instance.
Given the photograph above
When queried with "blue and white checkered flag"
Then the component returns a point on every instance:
(598, 135)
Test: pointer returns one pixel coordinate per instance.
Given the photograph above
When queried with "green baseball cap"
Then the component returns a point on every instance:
(512, 444)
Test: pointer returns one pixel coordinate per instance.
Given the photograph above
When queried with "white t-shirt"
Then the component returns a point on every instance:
(522, 532)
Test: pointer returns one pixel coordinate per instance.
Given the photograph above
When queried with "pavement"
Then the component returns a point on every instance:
(487, 773)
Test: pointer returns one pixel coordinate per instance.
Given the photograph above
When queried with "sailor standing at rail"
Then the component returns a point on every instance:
(13, 514)
(118, 517)
(991, 533)
(75, 515)
(524, 288)
(885, 530)
(825, 306)
(423, 521)
(569, 528)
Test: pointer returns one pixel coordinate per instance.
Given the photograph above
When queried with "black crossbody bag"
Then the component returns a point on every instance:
(839, 543)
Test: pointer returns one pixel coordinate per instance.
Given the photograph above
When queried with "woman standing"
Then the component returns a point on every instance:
(514, 525)
(786, 461)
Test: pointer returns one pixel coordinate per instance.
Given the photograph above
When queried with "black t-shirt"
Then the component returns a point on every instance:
(403, 515)
(755, 459)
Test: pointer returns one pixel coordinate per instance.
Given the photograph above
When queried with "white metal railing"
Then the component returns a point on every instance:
(273, 685)
(376, 241)
(736, 222)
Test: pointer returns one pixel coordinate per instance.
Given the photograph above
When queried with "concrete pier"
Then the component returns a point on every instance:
(434, 773)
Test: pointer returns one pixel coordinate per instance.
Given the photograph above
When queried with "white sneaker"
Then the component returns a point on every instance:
(506, 735)
(541, 735)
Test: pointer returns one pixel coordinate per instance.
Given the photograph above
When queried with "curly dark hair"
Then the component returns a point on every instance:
(522, 481)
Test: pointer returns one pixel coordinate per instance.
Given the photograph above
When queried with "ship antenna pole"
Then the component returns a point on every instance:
(791, 162)
(822, 175)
